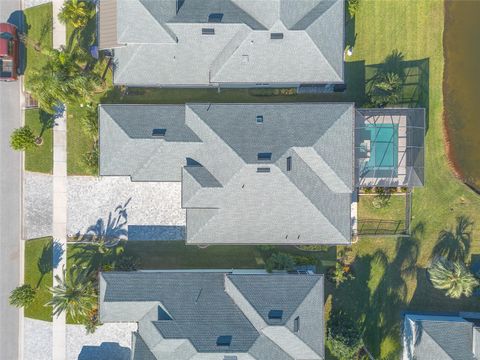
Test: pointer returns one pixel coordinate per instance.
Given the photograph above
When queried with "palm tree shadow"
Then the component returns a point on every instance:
(455, 244)
(47, 121)
(111, 231)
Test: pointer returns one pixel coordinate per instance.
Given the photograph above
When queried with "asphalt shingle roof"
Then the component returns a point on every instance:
(441, 337)
(201, 310)
(167, 46)
(266, 295)
(312, 200)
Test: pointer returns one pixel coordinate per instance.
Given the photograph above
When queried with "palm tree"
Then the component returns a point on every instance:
(452, 277)
(386, 89)
(76, 12)
(63, 80)
(74, 294)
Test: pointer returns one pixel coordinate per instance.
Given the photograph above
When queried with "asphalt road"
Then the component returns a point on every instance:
(10, 203)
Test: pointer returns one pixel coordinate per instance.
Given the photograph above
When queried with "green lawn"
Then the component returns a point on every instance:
(390, 274)
(40, 158)
(176, 255)
(395, 210)
(38, 273)
(39, 30)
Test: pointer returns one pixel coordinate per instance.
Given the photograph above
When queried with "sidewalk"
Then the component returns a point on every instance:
(59, 195)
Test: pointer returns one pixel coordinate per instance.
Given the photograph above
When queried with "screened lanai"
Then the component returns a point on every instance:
(389, 147)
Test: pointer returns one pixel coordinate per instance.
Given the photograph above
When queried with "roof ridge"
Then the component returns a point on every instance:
(322, 178)
(320, 3)
(137, 49)
(167, 29)
(439, 345)
(321, 54)
(310, 201)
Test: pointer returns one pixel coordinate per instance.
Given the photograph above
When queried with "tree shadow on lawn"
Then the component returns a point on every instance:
(454, 244)
(378, 293)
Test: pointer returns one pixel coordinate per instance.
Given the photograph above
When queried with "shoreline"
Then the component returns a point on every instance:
(447, 139)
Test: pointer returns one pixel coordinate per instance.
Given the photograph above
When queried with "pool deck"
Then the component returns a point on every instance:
(401, 122)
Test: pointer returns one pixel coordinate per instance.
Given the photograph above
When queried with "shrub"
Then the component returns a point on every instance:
(386, 90)
(22, 138)
(22, 296)
(367, 190)
(90, 158)
(280, 261)
(380, 201)
(344, 338)
(313, 247)
(92, 322)
(340, 273)
(353, 6)
(89, 122)
(126, 263)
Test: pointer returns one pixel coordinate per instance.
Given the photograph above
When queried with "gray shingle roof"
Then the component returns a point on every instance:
(312, 200)
(438, 337)
(266, 295)
(201, 309)
(166, 47)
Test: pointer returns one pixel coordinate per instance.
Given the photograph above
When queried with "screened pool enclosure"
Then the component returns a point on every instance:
(389, 147)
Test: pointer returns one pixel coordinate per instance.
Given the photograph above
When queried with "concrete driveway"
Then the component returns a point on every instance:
(146, 204)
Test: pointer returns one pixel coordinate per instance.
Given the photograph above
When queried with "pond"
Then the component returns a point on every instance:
(461, 88)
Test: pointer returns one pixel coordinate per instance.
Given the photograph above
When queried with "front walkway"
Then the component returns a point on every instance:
(59, 194)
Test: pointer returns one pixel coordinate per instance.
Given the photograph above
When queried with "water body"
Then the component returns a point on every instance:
(461, 88)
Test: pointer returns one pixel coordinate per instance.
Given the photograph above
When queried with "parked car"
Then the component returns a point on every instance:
(8, 52)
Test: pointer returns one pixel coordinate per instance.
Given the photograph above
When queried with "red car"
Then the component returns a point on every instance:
(8, 52)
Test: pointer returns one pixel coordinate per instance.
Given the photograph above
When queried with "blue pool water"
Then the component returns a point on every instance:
(384, 146)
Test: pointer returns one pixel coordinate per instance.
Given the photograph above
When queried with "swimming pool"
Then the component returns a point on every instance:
(384, 146)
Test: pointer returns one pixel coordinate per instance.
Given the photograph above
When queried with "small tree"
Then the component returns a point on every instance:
(22, 296)
(76, 12)
(341, 273)
(280, 261)
(22, 138)
(452, 277)
(353, 6)
(344, 338)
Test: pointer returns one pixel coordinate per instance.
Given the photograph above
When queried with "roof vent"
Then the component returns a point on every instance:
(159, 132)
(215, 17)
(259, 119)
(266, 156)
(276, 36)
(263, 170)
(208, 31)
(275, 314)
(230, 357)
(224, 340)
(289, 163)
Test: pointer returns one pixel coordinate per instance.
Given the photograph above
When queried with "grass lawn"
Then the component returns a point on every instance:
(39, 30)
(390, 273)
(38, 273)
(153, 255)
(395, 210)
(40, 158)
